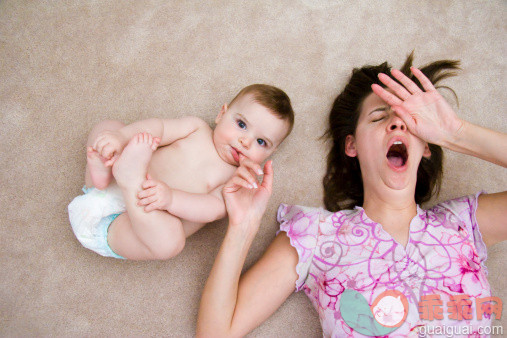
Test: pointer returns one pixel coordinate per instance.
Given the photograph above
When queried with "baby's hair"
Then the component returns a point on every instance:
(343, 185)
(272, 98)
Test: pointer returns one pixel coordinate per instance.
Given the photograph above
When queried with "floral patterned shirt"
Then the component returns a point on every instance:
(345, 252)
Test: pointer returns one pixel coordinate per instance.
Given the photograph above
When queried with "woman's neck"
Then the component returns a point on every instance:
(393, 209)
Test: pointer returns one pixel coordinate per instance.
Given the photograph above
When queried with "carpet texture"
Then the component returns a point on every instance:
(66, 65)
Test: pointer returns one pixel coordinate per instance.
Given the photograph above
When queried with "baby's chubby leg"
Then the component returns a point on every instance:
(160, 235)
(97, 174)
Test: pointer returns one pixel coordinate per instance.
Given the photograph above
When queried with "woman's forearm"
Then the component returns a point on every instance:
(480, 142)
(221, 290)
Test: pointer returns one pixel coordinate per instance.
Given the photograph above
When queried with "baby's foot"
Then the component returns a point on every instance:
(131, 167)
(100, 174)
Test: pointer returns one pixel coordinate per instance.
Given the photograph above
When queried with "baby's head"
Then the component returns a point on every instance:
(254, 124)
(343, 185)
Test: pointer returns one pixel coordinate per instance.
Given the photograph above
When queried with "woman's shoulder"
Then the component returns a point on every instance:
(460, 206)
(458, 213)
(286, 211)
(294, 212)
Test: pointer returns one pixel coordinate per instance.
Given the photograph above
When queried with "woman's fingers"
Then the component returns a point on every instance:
(409, 84)
(398, 89)
(426, 83)
(248, 175)
(238, 181)
(389, 98)
(245, 162)
(406, 117)
(267, 180)
(245, 176)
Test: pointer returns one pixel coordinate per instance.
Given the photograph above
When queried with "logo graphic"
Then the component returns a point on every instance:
(388, 312)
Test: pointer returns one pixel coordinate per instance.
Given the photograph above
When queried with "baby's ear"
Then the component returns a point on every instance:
(222, 112)
(350, 146)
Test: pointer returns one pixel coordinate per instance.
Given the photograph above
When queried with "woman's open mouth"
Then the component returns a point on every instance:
(397, 155)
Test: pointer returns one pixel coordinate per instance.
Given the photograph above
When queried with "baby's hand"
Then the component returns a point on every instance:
(156, 195)
(110, 144)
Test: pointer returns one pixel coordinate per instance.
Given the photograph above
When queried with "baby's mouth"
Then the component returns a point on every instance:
(235, 154)
(397, 154)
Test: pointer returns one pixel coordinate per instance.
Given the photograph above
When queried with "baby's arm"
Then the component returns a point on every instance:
(200, 208)
(110, 144)
(428, 116)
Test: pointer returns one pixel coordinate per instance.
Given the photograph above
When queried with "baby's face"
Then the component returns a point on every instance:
(247, 128)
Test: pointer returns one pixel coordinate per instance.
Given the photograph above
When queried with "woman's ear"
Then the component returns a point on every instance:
(427, 151)
(221, 114)
(350, 146)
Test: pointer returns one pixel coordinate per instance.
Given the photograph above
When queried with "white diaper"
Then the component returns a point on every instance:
(91, 214)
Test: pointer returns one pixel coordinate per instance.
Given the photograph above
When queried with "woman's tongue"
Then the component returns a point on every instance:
(395, 160)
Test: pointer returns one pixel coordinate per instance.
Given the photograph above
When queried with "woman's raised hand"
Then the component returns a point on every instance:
(244, 198)
(426, 113)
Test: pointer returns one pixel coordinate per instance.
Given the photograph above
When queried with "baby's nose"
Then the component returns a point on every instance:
(245, 141)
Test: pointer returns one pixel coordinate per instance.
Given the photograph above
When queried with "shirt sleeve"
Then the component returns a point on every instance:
(465, 208)
(302, 227)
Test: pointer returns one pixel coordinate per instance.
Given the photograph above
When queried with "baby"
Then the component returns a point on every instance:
(152, 183)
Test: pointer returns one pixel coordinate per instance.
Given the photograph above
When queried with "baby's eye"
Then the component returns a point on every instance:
(379, 118)
(241, 124)
(261, 142)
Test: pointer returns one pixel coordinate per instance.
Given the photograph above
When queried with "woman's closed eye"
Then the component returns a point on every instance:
(378, 118)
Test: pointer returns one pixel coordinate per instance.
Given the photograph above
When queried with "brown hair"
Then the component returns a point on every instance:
(272, 98)
(343, 185)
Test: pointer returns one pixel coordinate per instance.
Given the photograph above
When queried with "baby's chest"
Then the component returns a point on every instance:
(187, 166)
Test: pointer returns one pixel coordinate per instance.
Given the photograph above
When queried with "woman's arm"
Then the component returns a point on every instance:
(492, 217)
(480, 142)
(428, 116)
(231, 304)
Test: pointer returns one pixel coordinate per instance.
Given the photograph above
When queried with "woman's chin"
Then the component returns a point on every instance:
(399, 182)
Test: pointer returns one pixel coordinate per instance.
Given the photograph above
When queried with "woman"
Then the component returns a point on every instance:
(367, 269)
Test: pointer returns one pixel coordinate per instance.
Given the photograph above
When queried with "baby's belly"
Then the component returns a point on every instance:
(179, 173)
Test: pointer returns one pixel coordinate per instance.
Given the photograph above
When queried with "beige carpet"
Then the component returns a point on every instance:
(66, 65)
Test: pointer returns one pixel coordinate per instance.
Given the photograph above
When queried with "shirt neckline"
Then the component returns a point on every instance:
(418, 215)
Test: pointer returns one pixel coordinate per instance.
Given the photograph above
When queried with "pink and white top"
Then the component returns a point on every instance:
(345, 250)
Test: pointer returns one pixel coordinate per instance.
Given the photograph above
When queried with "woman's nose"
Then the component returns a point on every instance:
(396, 123)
